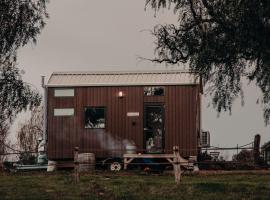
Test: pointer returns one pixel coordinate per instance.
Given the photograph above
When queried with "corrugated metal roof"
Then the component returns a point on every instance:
(118, 78)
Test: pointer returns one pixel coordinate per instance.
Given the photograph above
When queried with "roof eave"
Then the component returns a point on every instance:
(123, 84)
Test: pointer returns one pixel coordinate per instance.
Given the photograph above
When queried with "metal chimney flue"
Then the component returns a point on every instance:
(44, 108)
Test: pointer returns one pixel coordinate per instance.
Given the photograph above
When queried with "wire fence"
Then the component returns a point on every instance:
(144, 162)
(206, 157)
(209, 158)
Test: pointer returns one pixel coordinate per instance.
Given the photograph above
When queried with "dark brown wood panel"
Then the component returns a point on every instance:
(154, 98)
(182, 120)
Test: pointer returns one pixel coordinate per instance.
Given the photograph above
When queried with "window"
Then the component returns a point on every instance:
(94, 117)
(63, 112)
(64, 92)
(154, 91)
(205, 139)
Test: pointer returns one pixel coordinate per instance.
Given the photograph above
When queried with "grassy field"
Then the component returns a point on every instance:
(133, 186)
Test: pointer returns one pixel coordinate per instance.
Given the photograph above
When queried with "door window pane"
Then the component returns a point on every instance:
(153, 130)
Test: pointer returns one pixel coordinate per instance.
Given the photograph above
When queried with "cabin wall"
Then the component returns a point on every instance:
(182, 120)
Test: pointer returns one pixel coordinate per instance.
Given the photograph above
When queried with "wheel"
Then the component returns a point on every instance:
(115, 166)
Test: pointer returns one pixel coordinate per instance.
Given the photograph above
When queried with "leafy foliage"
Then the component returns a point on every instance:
(4, 127)
(244, 156)
(30, 131)
(15, 96)
(20, 21)
(223, 41)
(29, 134)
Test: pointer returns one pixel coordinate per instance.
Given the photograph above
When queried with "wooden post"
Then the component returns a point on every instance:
(177, 165)
(1, 166)
(125, 164)
(256, 149)
(76, 165)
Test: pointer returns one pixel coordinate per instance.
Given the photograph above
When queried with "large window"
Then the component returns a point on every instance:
(154, 91)
(94, 117)
(64, 92)
(63, 112)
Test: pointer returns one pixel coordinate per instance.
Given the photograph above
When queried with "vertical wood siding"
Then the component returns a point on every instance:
(182, 120)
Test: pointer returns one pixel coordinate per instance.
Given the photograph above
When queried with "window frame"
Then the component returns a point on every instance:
(96, 107)
(154, 86)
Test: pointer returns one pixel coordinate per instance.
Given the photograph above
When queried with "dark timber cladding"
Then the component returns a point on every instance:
(181, 105)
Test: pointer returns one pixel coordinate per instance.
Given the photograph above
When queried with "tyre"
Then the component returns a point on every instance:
(115, 166)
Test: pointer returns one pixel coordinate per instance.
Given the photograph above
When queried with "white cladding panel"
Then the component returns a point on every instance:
(63, 111)
(133, 114)
(64, 92)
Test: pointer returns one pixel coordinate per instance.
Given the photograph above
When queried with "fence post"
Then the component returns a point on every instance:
(1, 166)
(256, 149)
(76, 165)
(177, 165)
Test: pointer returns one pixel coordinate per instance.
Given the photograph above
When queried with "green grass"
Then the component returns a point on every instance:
(132, 186)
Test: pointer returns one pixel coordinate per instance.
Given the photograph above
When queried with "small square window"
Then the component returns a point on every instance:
(94, 117)
(154, 91)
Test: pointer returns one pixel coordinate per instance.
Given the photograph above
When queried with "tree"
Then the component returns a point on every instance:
(223, 41)
(21, 21)
(244, 156)
(3, 137)
(29, 133)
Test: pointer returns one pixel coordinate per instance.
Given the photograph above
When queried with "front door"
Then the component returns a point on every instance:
(154, 128)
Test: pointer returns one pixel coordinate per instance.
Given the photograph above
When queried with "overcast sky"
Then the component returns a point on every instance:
(110, 35)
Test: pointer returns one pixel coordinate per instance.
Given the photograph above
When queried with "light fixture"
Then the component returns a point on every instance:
(120, 94)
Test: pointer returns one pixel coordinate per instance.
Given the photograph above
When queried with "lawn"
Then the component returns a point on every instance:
(105, 185)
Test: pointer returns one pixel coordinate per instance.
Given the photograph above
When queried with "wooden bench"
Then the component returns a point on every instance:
(128, 158)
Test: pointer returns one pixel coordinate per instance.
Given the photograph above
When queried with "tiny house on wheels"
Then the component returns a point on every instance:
(112, 113)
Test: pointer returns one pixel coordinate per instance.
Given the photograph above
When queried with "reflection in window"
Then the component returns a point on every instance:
(153, 91)
(94, 117)
(154, 129)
